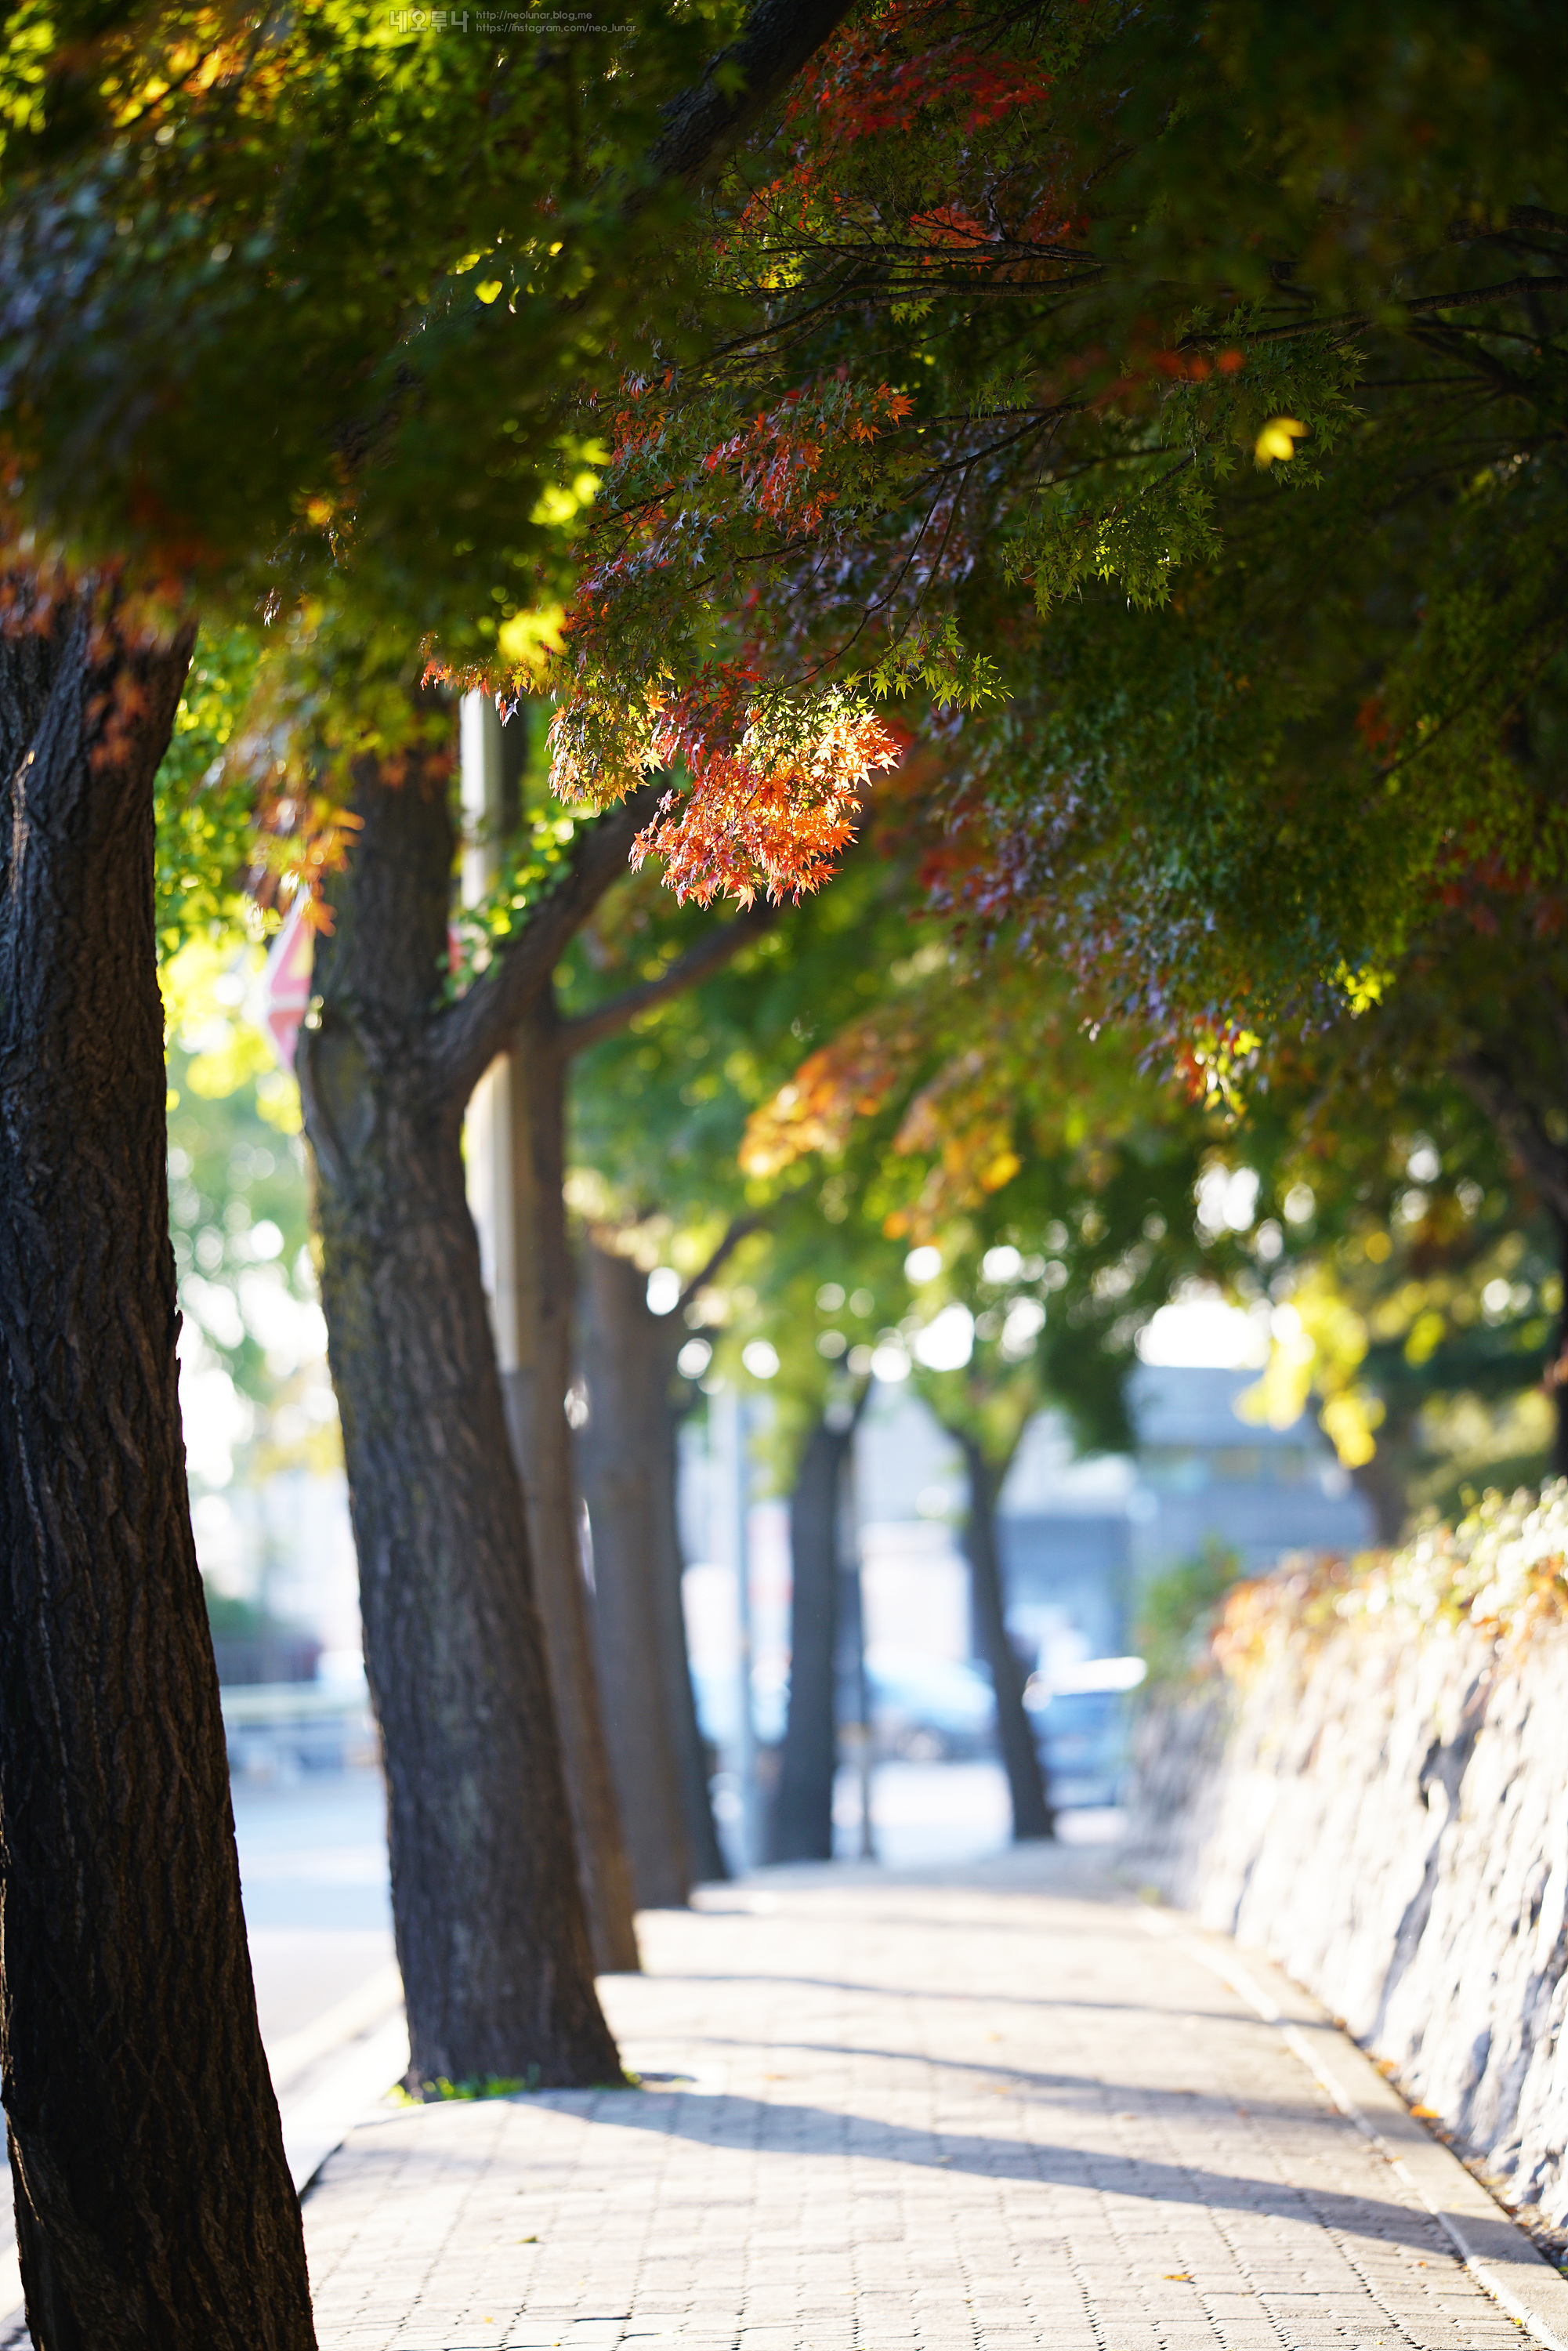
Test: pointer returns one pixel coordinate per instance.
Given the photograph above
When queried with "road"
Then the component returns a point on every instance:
(313, 1866)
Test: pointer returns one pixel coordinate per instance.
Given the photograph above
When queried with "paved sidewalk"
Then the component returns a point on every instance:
(997, 2111)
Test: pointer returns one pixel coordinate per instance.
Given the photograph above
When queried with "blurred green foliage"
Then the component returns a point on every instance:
(1177, 1610)
(206, 800)
(309, 305)
(857, 1085)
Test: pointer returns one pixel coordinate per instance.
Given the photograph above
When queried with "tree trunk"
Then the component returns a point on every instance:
(694, 1757)
(1557, 1370)
(851, 1674)
(626, 1451)
(708, 1861)
(803, 1808)
(155, 2210)
(1020, 1750)
(535, 1392)
(1385, 1479)
(491, 1932)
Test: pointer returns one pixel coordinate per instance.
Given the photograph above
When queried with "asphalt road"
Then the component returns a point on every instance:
(313, 1867)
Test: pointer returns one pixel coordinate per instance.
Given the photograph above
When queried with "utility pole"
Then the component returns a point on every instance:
(849, 1551)
(732, 1430)
(512, 1147)
(488, 1144)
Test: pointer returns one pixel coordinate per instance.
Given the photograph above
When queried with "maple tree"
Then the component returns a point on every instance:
(658, 1116)
(631, 1394)
(550, 1030)
(1068, 347)
(1031, 349)
(200, 206)
(1170, 415)
(949, 1102)
(1050, 1190)
(1172, 418)
(1409, 1248)
(172, 2216)
(985, 1402)
(380, 1127)
(1079, 537)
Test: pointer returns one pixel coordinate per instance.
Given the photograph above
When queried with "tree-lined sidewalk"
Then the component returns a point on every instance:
(987, 2110)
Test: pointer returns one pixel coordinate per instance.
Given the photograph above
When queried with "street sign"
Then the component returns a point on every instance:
(285, 991)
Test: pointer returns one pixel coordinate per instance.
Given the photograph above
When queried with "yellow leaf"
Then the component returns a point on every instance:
(556, 504)
(1278, 439)
(1349, 1421)
(527, 641)
(1428, 1333)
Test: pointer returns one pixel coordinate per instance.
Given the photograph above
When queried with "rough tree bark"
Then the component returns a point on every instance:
(536, 1411)
(490, 1927)
(1015, 1733)
(155, 2210)
(441, 1057)
(626, 1459)
(706, 122)
(803, 1807)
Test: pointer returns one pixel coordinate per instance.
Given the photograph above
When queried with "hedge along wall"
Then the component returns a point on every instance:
(1371, 1784)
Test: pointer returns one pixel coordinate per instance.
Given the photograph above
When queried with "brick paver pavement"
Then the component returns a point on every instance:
(957, 2116)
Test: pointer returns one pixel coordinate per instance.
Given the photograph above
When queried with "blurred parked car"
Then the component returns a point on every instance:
(925, 1709)
(1082, 1719)
(252, 1646)
(275, 1730)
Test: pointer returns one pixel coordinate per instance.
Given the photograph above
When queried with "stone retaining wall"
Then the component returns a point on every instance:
(1384, 1812)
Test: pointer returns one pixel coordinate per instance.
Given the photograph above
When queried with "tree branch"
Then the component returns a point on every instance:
(740, 1229)
(843, 1415)
(705, 125)
(709, 954)
(464, 1038)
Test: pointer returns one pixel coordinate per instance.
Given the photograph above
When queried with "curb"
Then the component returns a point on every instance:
(1495, 2250)
(365, 2039)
